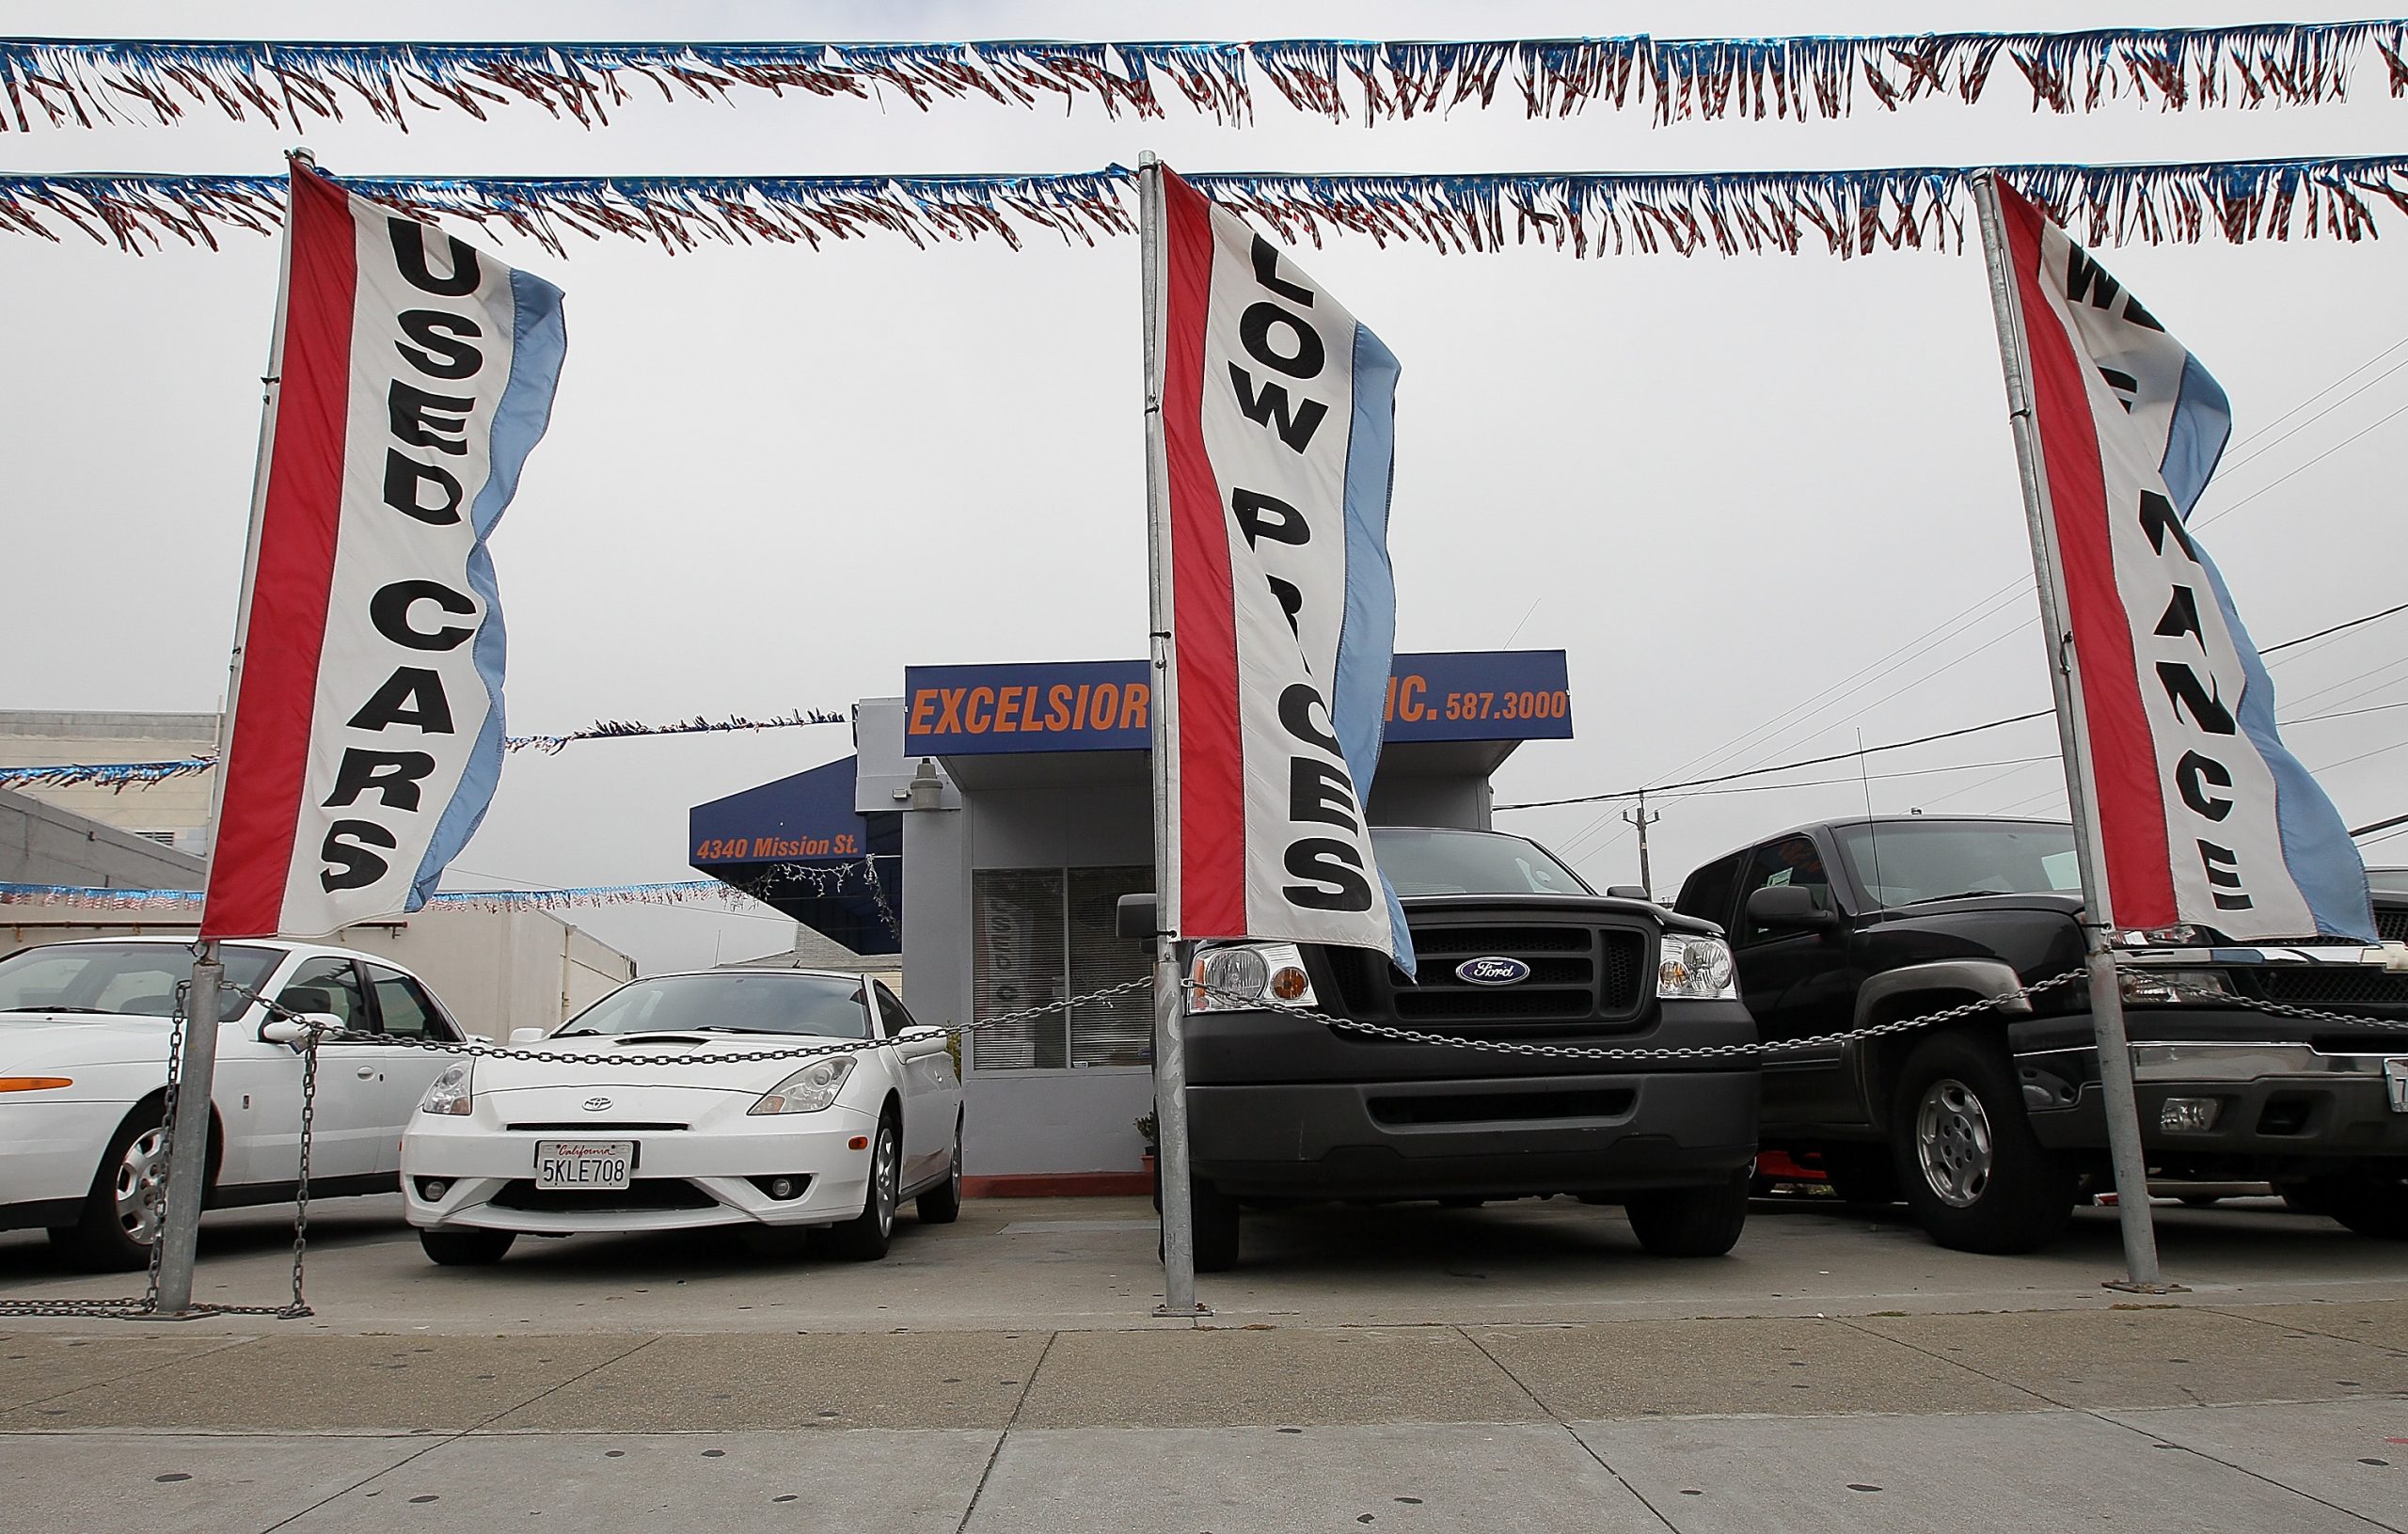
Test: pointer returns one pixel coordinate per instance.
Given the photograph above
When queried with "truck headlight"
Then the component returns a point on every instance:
(2167, 988)
(1241, 975)
(451, 1093)
(808, 1090)
(1695, 970)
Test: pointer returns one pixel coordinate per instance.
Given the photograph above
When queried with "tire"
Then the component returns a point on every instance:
(1974, 1176)
(864, 1237)
(1216, 1229)
(2372, 1203)
(121, 1215)
(1689, 1222)
(942, 1204)
(467, 1249)
(1861, 1174)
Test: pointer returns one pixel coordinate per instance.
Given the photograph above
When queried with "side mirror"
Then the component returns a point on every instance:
(526, 1035)
(295, 1031)
(1788, 905)
(1133, 917)
(1628, 892)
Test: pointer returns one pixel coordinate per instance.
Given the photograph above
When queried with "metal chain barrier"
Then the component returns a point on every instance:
(147, 1305)
(1666, 1052)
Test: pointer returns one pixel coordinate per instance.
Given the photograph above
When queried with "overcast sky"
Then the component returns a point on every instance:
(1756, 498)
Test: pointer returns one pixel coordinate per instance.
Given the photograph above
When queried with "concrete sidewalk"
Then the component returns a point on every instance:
(2224, 1417)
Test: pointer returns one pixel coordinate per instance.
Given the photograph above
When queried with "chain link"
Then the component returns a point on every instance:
(1666, 1052)
(147, 1305)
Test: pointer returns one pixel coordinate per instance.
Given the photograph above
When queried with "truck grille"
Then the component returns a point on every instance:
(2328, 985)
(1579, 974)
(2391, 924)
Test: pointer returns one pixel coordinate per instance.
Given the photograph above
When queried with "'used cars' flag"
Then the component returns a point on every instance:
(1278, 416)
(2205, 818)
(413, 375)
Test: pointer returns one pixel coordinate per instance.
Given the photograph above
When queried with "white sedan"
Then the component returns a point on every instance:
(642, 1113)
(84, 1030)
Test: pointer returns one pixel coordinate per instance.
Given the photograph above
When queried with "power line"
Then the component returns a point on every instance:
(1919, 740)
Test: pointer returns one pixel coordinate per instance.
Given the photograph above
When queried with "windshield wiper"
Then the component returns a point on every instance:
(1961, 895)
(95, 1011)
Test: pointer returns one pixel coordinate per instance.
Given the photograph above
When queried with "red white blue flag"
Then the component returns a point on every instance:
(413, 375)
(1278, 411)
(2204, 816)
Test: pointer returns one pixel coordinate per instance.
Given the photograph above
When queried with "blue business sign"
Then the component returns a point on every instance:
(1108, 704)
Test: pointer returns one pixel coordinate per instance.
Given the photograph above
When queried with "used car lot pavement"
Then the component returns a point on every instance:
(1519, 1366)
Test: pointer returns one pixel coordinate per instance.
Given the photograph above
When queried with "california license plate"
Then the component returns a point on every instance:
(583, 1163)
(2394, 1080)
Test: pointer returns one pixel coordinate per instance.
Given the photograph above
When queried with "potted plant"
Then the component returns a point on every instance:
(1145, 1123)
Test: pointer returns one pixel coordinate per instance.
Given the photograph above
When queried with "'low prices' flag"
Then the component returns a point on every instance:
(414, 375)
(2204, 816)
(1278, 433)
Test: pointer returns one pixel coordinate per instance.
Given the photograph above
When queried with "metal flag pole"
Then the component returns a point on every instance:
(197, 1060)
(2065, 680)
(1171, 1058)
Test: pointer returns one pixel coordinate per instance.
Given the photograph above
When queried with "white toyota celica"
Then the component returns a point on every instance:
(83, 1031)
(645, 1113)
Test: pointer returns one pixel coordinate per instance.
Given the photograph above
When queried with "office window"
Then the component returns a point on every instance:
(1040, 935)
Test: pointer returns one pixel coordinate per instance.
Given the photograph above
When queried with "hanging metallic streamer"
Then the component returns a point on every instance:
(1844, 213)
(66, 83)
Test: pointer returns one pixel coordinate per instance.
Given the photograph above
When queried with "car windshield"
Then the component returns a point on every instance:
(1902, 862)
(822, 1006)
(1469, 862)
(119, 979)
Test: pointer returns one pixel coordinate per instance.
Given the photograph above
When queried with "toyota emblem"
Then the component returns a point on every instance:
(594, 1105)
(1495, 970)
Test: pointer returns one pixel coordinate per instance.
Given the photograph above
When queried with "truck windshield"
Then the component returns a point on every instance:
(762, 1003)
(1901, 863)
(120, 979)
(1469, 862)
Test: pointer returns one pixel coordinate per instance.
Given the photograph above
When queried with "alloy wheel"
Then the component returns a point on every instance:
(1953, 1143)
(887, 1178)
(142, 1185)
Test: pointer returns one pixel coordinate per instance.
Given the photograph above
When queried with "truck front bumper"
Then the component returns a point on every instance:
(1490, 1136)
(2272, 1101)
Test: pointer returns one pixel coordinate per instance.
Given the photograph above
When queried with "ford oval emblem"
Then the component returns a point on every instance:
(594, 1105)
(1495, 970)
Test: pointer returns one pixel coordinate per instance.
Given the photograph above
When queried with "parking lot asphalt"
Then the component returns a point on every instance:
(1516, 1367)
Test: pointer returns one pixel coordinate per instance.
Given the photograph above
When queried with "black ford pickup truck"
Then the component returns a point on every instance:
(1988, 1127)
(1512, 946)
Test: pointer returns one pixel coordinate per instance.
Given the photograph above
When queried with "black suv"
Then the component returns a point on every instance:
(1989, 1125)
(1512, 947)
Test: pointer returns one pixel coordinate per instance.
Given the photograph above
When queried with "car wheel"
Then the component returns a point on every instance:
(1689, 1222)
(942, 1204)
(1975, 1177)
(864, 1237)
(467, 1249)
(121, 1215)
(1861, 1174)
(2372, 1202)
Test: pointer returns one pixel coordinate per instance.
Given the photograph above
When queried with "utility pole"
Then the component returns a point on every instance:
(1642, 820)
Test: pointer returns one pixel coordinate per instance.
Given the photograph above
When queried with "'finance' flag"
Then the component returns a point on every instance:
(414, 375)
(1278, 434)
(2204, 816)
